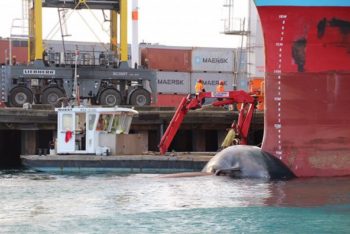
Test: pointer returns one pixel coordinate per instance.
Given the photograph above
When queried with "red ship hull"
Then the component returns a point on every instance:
(307, 102)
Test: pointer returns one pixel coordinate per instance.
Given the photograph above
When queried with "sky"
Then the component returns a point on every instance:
(167, 22)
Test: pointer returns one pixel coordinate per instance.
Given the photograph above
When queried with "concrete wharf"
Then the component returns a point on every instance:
(26, 131)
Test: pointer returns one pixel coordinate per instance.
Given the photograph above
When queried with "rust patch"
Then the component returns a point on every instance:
(321, 27)
(342, 25)
(291, 156)
(298, 53)
(330, 160)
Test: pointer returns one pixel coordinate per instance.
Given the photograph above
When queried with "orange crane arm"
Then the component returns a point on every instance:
(195, 101)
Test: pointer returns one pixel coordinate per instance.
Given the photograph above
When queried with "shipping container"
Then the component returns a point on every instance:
(173, 82)
(166, 58)
(169, 100)
(212, 59)
(211, 80)
(19, 51)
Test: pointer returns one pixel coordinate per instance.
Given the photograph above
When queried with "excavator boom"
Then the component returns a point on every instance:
(192, 102)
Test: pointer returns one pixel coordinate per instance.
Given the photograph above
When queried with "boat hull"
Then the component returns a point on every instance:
(120, 163)
(307, 84)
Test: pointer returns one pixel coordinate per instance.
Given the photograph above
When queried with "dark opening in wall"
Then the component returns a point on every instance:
(43, 139)
(211, 140)
(10, 148)
(153, 140)
(255, 137)
(182, 141)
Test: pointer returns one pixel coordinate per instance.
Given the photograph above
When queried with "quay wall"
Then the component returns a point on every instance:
(29, 131)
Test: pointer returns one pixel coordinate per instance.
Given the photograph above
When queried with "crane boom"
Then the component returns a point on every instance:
(195, 101)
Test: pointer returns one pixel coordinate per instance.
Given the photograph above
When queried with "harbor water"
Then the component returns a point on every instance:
(32, 202)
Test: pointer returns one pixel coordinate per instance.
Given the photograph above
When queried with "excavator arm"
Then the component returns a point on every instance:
(192, 102)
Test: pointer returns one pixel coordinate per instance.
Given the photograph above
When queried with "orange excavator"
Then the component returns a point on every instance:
(192, 102)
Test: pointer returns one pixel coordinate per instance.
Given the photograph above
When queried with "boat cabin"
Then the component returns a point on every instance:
(84, 130)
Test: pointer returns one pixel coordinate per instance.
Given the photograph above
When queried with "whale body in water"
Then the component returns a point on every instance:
(242, 161)
(247, 161)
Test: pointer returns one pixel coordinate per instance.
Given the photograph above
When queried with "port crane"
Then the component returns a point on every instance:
(112, 82)
(192, 102)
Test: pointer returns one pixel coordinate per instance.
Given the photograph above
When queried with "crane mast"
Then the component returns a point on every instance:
(35, 39)
(35, 50)
(114, 33)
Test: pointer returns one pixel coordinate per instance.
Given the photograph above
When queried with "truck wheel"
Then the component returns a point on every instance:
(140, 97)
(51, 96)
(110, 97)
(20, 95)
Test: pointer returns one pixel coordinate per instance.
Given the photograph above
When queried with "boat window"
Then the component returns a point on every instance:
(80, 124)
(127, 123)
(123, 123)
(118, 123)
(91, 120)
(67, 122)
(110, 122)
(99, 126)
(115, 124)
(104, 122)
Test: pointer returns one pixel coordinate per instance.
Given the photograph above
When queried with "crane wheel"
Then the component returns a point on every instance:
(20, 95)
(52, 96)
(140, 97)
(110, 97)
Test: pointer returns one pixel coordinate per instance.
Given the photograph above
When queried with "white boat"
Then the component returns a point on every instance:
(86, 135)
(91, 130)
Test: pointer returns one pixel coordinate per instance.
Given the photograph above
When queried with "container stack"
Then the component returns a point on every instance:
(173, 67)
(212, 65)
(179, 68)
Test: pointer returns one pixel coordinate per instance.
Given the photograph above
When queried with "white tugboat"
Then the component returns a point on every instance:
(91, 130)
(96, 139)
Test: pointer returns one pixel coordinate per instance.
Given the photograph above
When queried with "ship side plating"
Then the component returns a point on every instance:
(307, 47)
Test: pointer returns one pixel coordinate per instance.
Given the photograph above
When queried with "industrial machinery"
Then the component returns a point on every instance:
(109, 82)
(247, 106)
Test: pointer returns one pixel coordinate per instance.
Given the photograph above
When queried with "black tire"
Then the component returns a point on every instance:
(20, 95)
(110, 97)
(52, 96)
(140, 97)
